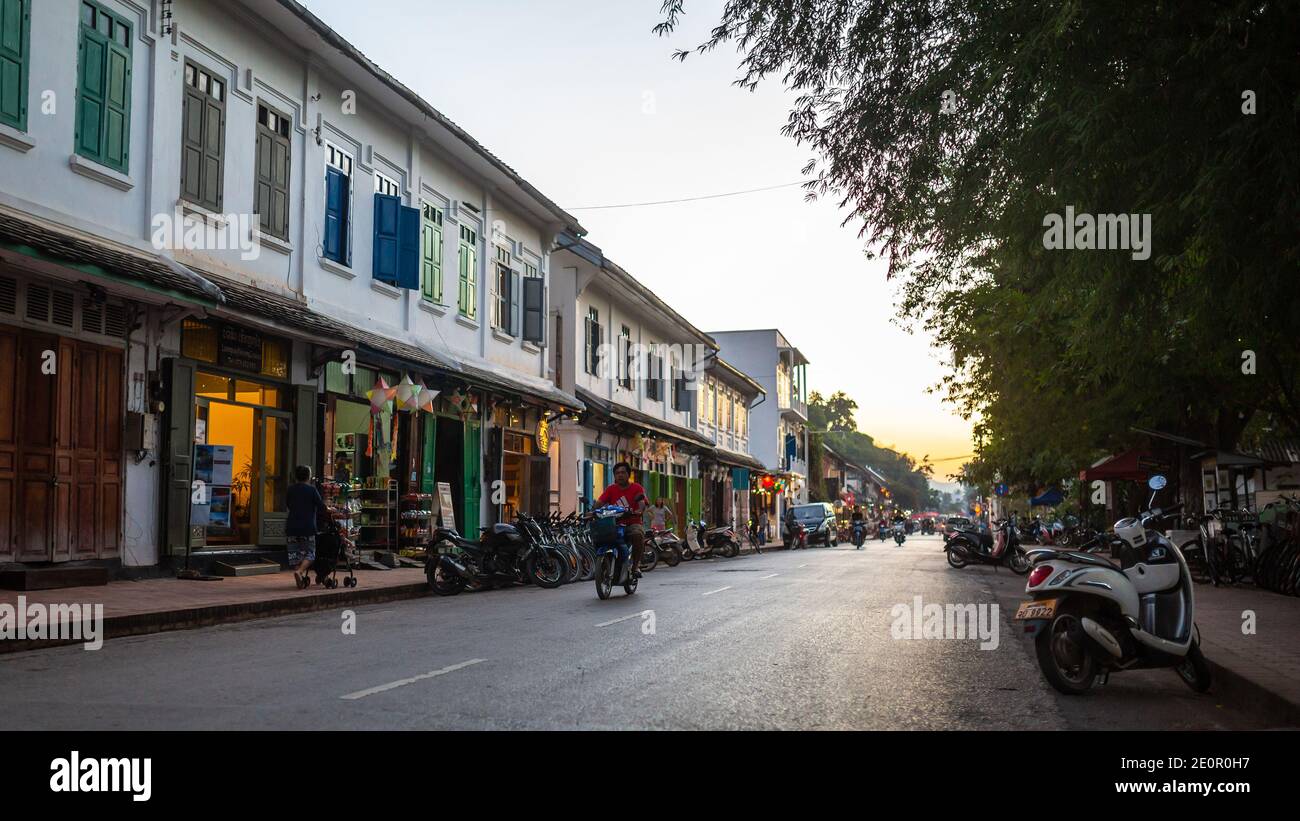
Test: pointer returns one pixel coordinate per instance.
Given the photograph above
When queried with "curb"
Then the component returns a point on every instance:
(140, 624)
(1243, 693)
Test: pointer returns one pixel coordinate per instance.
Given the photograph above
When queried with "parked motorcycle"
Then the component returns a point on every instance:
(505, 555)
(666, 545)
(1090, 618)
(796, 537)
(703, 541)
(972, 546)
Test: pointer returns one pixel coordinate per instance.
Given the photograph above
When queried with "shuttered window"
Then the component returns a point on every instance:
(468, 260)
(503, 292)
(593, 339)
(431, 254)
(15, 43)
(203, 130)
(103, 130)
(337, 242)
(271, 199)
(534, 305)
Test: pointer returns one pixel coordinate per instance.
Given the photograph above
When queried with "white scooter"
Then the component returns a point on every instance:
(1090, 617)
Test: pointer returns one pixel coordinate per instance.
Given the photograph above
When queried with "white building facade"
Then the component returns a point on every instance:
(228, 225)
(778, 427)
(635, 363)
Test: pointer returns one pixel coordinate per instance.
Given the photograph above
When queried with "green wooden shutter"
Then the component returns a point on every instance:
(473, 472)
(15, 43)
(178, 460)
(694, 497)
(427, 483)
(214, 152)
(103, 129)
(192, 145)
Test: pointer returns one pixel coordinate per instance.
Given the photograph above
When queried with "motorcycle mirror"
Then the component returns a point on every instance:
(1157, 482)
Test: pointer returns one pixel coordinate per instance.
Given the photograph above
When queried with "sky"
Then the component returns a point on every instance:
(584, 101)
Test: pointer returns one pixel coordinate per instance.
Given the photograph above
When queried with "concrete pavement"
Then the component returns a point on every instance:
(785, 640)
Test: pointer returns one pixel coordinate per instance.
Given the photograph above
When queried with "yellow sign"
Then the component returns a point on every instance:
(543, 437)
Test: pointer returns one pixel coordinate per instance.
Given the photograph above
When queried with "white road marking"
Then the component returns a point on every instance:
(770, 575)
(403, 682)
(719, 590)
(803, 565)
(625, 618)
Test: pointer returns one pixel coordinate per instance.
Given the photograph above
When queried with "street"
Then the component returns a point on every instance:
(785, 640)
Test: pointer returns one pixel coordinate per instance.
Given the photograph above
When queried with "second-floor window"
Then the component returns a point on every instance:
(592, 339)
(103, 130)
(431, 254)
(271, 193)
(15, 45)
(505, 298)
(625, 357)
(337, 241)
(468, 260)
(203, 140)
(654, 374)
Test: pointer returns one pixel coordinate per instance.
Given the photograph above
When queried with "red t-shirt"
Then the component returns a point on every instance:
(629, 497)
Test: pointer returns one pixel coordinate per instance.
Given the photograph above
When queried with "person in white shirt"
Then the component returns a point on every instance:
(659, 515)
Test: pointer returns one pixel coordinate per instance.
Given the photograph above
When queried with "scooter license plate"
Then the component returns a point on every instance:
(1040, 609)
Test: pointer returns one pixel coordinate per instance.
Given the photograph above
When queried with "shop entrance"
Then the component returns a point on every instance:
(242, 456)
(61, 462)
(449, 465)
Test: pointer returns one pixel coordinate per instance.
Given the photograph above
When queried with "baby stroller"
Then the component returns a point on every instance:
(330, 553)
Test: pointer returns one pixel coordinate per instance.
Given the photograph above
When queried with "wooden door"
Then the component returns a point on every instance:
(95, 425)
(8, 443)
(37, 411)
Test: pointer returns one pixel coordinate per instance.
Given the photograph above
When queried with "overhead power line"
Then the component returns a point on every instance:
(687, 199)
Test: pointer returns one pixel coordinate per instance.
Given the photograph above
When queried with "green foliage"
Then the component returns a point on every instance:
(1132, 108)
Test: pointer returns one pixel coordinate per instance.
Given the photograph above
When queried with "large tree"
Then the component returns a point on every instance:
(951, 129)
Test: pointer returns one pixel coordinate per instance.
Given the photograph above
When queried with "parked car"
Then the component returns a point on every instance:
(819, 519)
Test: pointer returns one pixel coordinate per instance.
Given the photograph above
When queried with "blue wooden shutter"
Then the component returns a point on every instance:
(387, 210)
(534, 309)
(336, 219)
(408, 248)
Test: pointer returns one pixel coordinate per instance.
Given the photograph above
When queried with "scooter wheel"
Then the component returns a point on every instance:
(1063, 654)
(1195, 670)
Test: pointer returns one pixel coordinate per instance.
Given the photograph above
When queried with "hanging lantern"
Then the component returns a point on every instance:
(379, 396)
(426, 397)
(407, 394)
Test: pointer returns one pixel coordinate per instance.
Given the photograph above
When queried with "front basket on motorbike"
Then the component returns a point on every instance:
(603, 529)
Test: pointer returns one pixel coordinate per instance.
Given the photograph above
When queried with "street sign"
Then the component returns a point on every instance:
(1001, 489)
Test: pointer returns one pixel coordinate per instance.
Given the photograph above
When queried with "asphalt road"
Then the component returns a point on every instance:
(786, 640)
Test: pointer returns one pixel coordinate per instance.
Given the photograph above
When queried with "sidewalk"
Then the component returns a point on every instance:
(1262, 669)
(133, 608)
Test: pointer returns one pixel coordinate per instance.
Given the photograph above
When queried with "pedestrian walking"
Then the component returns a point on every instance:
(304, 503)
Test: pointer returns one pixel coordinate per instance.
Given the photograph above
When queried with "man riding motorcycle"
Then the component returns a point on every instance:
(629, 495)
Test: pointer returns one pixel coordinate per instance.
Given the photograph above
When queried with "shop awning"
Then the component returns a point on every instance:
(221, 295)
(1051, 498)
(742, 460)
(617, 415)
(1131, 465)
